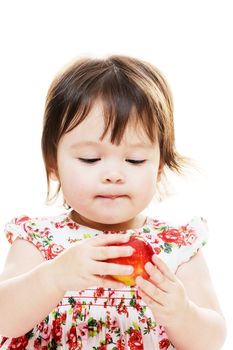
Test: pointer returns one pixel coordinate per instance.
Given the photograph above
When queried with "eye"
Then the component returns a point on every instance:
(134, 161)
(89, 160)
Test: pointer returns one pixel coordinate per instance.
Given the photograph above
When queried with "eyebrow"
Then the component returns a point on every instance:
(99, 144)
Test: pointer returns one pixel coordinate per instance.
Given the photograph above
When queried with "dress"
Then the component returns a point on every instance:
(98, 318)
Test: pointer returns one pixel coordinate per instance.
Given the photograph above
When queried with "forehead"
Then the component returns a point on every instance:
(92, 127)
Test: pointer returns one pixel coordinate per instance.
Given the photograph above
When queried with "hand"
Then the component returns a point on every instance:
(82, 265)
(163, 293)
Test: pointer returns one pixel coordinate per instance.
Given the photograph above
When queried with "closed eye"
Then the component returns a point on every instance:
(93, 160)
(89, 160)
(134, 161)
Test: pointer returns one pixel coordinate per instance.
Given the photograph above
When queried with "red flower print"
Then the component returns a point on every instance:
(157, 250)
(108, 339)
(73, 225)
(173, 235)
(28, 228)
(77, 309)
(135, 340)
(3, 340)
(98, 293)
(122, 309)
(108, 320)
(99, 326)
(21, 220)
(56, 331)
(113, 325)
(138, 307)
(161, 330)
(45, 233)
(111, 299)
(37, 343)
(44, 330)
(137, 295)
(164, 344)
(62, 224)
(73, 343)
(53, 250)
(157, 223)
(102, 347)
(19, 343)
(120, 344)
(63, 318)
(82, 330)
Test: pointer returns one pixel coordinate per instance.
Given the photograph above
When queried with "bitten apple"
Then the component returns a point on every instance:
(143, 252)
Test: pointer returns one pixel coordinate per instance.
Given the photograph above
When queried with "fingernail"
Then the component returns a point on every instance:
(126, 238)
(131, 250)
(129, 269)
(149, 266)
(139, 280)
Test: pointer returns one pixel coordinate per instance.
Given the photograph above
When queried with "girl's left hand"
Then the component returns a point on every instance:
(163, 293)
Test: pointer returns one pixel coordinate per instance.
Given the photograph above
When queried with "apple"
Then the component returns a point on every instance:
(143, 252)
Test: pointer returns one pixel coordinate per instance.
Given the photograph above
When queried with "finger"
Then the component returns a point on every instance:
(158, 278)
(109, 239)
(153, 305)
(150, 290)
(163, 268)
(104, 268)
(104, 253)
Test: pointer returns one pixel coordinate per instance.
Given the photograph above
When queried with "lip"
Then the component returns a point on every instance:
(112, 196)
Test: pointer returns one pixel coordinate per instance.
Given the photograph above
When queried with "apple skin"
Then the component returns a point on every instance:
(143, 252)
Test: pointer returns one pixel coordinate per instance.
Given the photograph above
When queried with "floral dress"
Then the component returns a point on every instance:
(101, 318)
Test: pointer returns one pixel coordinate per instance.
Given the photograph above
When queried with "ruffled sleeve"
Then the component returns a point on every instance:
(24, 228)
(196, 232)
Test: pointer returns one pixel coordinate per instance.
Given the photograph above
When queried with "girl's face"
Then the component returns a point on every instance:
(107, 185)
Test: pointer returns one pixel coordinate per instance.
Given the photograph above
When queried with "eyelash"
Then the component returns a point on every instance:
(93, 160)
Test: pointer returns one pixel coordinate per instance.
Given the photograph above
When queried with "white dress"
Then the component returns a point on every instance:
(98, 318)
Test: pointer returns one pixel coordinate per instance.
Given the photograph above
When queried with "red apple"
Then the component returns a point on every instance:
(143, 252)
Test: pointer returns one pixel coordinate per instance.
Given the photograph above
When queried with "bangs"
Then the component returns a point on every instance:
(124, 102)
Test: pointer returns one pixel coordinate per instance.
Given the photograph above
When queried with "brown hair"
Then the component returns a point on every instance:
(122, 83)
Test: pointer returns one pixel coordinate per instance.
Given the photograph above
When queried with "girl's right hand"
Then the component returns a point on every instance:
(83, 264)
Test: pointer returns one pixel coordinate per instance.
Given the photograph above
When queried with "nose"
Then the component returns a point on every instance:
(113, 177)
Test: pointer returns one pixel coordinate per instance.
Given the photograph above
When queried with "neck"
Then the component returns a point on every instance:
(134, 223)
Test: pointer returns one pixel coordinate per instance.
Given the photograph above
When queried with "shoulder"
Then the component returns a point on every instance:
(183, 234)
(34, 240)
(177, 243)
(22, 257)
(46, 233)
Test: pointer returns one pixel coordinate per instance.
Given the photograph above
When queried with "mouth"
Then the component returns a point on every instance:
(112, 196)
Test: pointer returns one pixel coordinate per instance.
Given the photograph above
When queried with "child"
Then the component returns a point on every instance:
(108, 136)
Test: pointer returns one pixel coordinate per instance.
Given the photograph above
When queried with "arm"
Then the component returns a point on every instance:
(30, 288)
(27, 293)
(185, 304)
(203, 326)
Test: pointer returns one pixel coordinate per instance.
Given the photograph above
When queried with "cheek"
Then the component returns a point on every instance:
(75, 184)
(145, 183)
(149, 175)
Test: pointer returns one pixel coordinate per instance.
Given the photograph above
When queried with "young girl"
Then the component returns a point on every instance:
(108, 136)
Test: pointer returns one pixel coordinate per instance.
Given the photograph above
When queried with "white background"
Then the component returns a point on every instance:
(190, 41)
